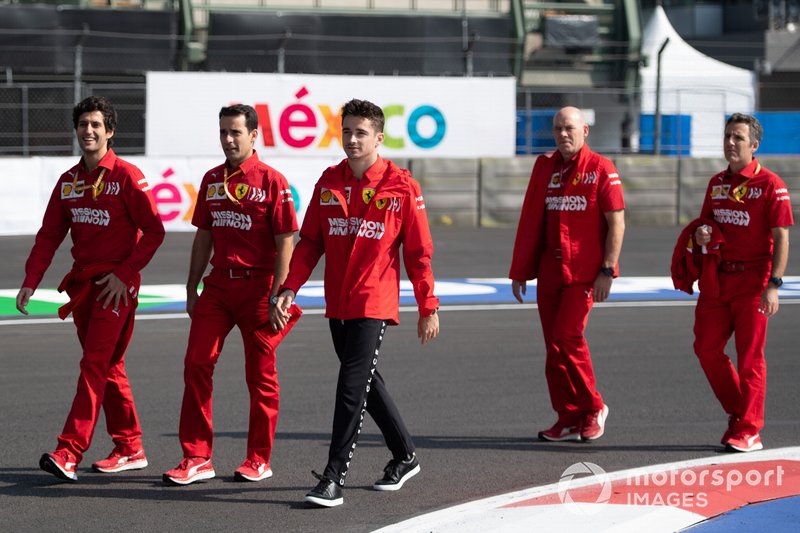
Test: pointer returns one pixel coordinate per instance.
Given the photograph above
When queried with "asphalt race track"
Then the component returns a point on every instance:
(474, 400)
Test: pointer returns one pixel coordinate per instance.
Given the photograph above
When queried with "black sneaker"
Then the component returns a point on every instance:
(326, 494)
(397, 472)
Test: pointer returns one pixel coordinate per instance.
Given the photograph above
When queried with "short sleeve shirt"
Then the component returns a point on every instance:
(244, 228)
(746, 206)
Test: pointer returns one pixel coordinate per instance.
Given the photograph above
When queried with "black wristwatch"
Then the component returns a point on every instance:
(608, 271)
(776, 281)
(273, 300)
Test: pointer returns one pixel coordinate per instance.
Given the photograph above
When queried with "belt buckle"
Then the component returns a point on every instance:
(244, 273)
(733, 266)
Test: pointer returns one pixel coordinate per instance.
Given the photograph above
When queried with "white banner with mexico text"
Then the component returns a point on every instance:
(173, 180)
(299, 115)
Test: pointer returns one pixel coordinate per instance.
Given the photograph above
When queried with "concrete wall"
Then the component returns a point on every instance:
(658, 190)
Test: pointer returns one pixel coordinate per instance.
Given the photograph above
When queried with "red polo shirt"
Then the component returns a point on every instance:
(747, 205)
(244, 231)
(104, 227)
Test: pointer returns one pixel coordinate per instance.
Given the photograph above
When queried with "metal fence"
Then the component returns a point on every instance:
(361, 55)
(36, 118)
(613, 115)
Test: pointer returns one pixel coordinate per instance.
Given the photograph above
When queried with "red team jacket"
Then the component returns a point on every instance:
(244, 234)
(691, 263)
(362, 254)
(590, 187)
(103, 230)
(747, 206)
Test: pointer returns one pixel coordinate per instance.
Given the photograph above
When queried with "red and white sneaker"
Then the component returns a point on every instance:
(190, 470)
(561, 431)
(252, 470)
(732, 419)
(116, 462)
(61, 464)
(593, 424)
(744, 443)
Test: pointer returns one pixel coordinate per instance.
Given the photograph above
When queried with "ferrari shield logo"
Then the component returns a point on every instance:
(739, 192)
(380, 204)
(577, 179)
(367, 195)
(101, 187)
(241, 190)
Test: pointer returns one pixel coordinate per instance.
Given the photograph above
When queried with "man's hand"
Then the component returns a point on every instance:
(114, 290)
(23, 297)
(428, 328)
(279, 314)
(702, 235)
(518, 287)
(191, 301)
(769, 301)
(602, 288)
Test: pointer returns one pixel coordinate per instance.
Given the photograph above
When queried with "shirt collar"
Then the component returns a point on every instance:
(249, 163)
(574, 158)
(750, 171)
(107, 162)
(373, 173)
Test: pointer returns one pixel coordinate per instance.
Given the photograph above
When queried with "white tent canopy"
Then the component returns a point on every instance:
(693, 84)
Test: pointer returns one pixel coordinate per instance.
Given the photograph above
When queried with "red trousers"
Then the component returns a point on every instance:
(104, 335)
(224, 303)
(741, 392)
(564, 312)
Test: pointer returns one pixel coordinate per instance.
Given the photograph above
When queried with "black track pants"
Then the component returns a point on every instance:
(360, 387)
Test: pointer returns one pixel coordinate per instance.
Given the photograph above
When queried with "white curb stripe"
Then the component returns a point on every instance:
(492, 514)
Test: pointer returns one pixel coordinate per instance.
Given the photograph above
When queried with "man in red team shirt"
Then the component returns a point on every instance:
(104, 202)
(245, 215)
(752, 209)
(569, 238)
(361, 212)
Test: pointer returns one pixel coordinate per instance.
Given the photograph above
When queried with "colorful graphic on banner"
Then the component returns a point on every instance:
(299, 114)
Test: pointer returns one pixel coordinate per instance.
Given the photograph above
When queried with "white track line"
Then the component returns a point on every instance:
(404, 309)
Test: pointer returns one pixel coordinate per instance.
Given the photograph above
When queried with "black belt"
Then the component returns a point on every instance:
(741, 266)
(732, 266)
(242, 273)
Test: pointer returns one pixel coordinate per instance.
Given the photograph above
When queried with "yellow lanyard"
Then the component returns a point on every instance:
(739, 191)
(95, 187)
(225, 178)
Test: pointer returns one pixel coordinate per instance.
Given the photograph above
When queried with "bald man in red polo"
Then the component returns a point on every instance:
(569, 238)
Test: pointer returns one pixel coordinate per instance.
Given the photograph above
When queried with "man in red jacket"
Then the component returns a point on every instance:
(361, 212)
(569, 237)
(104, 202)
(752, 209)
(244, 215)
